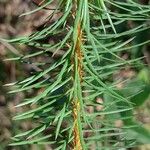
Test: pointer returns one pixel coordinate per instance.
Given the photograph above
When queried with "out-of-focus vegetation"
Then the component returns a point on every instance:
(12, 25)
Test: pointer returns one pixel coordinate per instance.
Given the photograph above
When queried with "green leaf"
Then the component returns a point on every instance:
(62, 113)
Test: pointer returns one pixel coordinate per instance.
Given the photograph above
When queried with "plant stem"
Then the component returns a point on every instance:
(77, 141)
